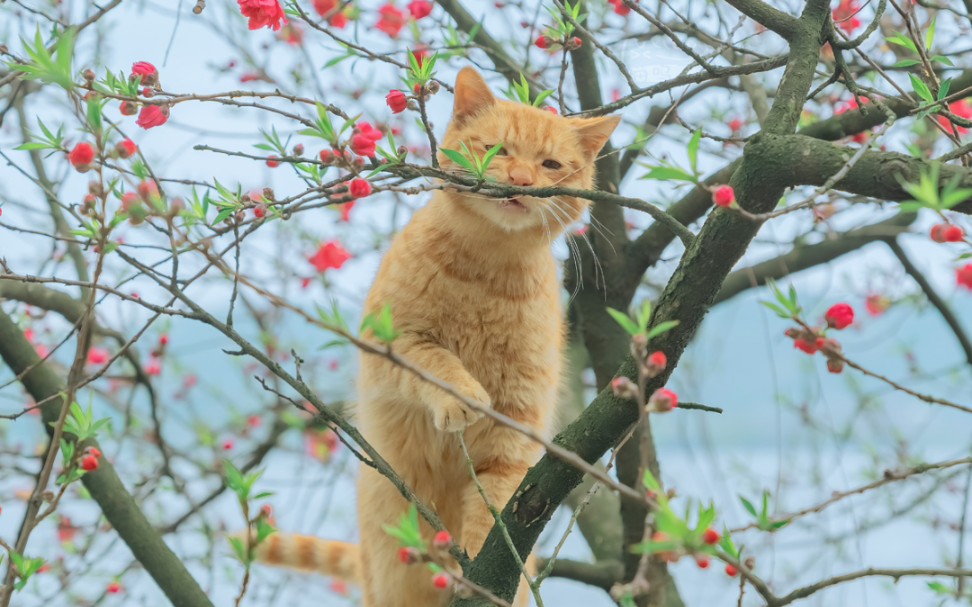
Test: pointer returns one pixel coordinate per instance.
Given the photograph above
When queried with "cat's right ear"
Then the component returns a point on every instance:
(472, 95)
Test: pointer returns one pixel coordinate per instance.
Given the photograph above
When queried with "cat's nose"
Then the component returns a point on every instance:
(521, 176)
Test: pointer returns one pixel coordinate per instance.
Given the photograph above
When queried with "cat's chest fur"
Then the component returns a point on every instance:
(500, 314)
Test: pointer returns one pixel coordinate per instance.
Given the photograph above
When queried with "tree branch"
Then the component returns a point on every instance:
(783, 24)
(933, 297)
(802, 257)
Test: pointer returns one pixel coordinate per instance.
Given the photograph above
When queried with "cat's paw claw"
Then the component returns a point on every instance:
(452, 415)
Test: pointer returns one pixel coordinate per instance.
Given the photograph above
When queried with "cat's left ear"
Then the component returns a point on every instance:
(593, 133)
(472, 95)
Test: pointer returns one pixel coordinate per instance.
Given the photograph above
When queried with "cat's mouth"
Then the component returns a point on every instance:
(513, 205)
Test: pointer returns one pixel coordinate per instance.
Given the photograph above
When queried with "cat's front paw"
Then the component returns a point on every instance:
(449, 414)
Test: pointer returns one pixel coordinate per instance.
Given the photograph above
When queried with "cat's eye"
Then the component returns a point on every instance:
(552, 164)
(489, 146)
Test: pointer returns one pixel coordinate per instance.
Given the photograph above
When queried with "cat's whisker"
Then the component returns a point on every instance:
(599, 277)
(556, 210)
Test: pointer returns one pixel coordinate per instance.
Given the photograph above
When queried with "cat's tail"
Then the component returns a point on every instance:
(311, 554)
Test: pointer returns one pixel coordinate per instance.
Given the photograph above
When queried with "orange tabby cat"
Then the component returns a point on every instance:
(473, 288)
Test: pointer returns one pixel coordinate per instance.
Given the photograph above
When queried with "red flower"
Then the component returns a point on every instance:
(148, 190)
(273, 162)
(835, 365)
(420, 9)
(731, 571)
(845, 16)
(711, 536)
(227, 445)
(736, 125)
(360, 188)
(961, 108)
(620, 7)
(263, 13)
(128, 108)
(339, 587)
(397, 101)
(963, 276)
(363, 141)
(114, 588)
(154, 368)
(126, 148)
(346, 211)
(152, 116)
(339, 21)
(658, 359)
(362, 145)
(442, 540)
(703, 562)
(329, 255)
(89, 463)
(804, 345)
(954, 234)
(441, 580)
(145, 70)
(839, 316)
(407, 556)
(723, 196)
(663, 400)
(391, 20)
(325, 7)
(876, 304)
(81, 157)
(292, 34)
(97, 356)
(622, 387)
(543, 42)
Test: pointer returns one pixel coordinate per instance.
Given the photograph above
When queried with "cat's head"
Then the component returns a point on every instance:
(540, 149)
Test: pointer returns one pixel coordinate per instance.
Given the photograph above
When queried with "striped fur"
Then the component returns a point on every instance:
(311, 554)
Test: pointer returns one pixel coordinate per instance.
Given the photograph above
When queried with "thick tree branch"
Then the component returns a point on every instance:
(774, 19)
(878, 175)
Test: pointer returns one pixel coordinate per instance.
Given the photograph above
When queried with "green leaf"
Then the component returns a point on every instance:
(779, 311)
(381, 325)
(930, 34)
(942, 59)
(900, 40)
(666, 173)
(239, 549)
(748, 505)
(625, 321)
(693, 149)
(35, 145)
(541, 97)
(644, 316)
(662, 327)
(939, 588)
(459, 159)
(921, 89)
(943, 89)
(651, 483)
(490, 154)
(907, 63)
